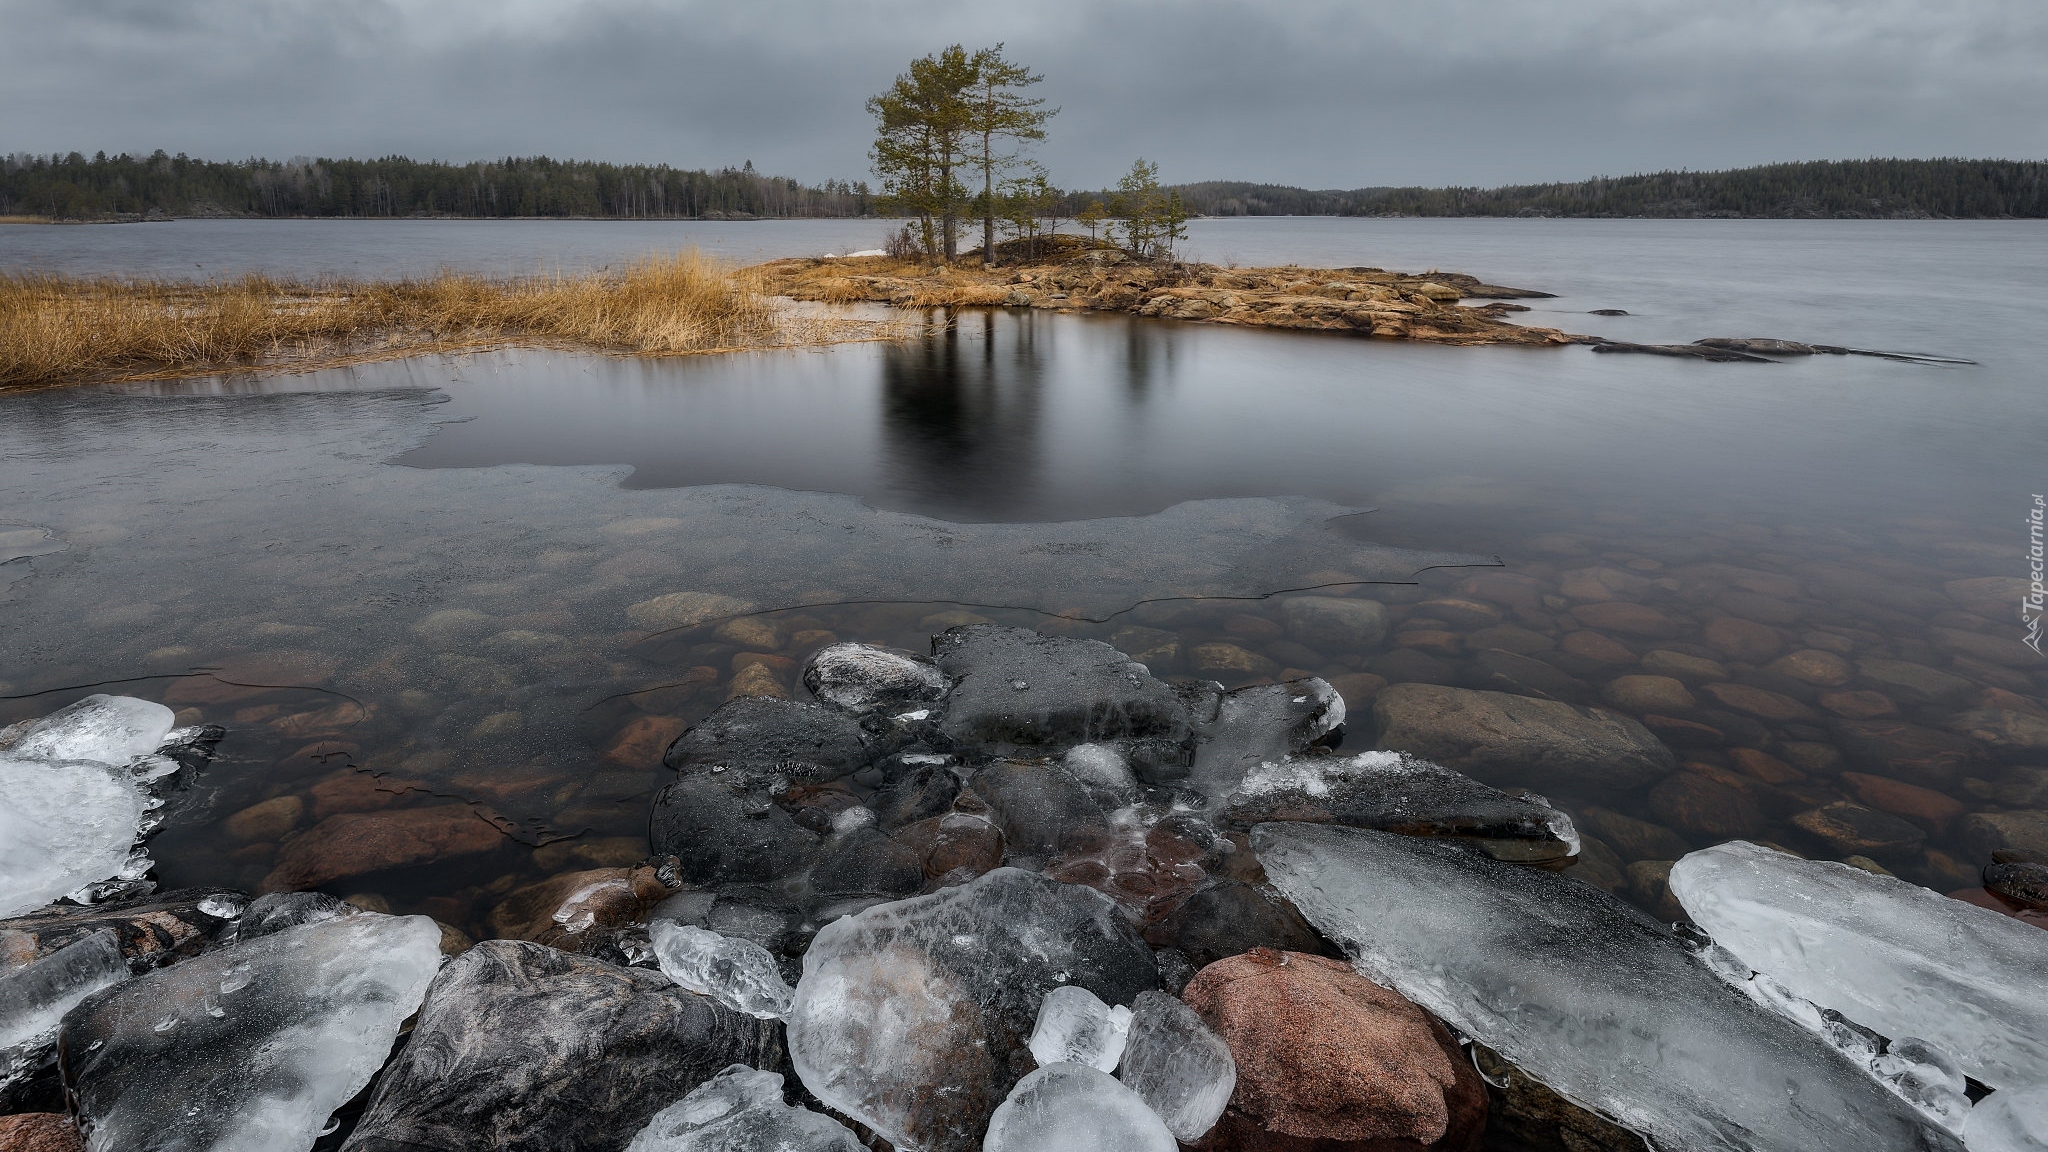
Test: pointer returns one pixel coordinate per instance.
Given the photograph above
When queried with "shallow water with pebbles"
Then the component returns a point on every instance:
(451, 636)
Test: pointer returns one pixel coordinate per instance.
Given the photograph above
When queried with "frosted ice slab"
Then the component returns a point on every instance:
(110, 730)
(253, 1047)
(1177, 1065)
(1075, 1027)
(1075, 1108)
(741, 1110)
(2010, 1120)
(1895, 957)
(1262, 724)
(1586, 995)
(1396, 792)
(63, 824)
(739, 974)
(35, 997)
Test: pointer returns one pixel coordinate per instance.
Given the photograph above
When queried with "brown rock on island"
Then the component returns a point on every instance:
(1361, 301)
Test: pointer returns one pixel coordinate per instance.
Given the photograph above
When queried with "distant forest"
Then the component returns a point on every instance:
(1821, 189)
(103, 187)
(76, 188)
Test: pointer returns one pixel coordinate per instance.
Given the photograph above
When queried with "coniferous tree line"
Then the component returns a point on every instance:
(1822, 189)
(74, 187)
(1010, 191)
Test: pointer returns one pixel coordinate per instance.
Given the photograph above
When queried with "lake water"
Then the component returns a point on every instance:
(425, 583)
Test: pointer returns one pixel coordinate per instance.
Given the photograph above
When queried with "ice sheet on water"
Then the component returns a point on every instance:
(1263, 724)
(1177, 1065)
(111, 730)
(2010, 1120)
(1892, 956)
(1075, 1027)
(35, 997)
(739, 974)
(1923, 1074)
(1075, 1108)
(741, 1110)
(253, 1047)
(1588, 996)
(63, 824)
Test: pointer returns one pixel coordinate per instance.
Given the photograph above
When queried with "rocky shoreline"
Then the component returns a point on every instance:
(1020, 895)
(1360, 301)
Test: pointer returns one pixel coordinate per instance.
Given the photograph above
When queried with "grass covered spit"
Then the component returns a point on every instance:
(57, 329)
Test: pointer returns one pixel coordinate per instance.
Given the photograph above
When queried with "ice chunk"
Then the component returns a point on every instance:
(912, 1016)
(1895, 957)
(63, 824)
(1928, 1076)
(739, 974)
(1074, 1027)
(35, 997)
(1262, 724)
(2010, 1120)
(1396, 792)
(109, 730)
(252, 1047)
(1103, 771)
(1074, 1108)
(1585, 994)
(1177, 1065)
(278, 911)
(741, 1110)
(866, 680)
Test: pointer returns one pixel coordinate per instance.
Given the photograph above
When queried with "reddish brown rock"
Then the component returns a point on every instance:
(1906, 751)
(561, 910)
(641, 743)
(39, 1132)
(1704, 807)
(1923, 806)
(1325, 1054)
(1594, 646)
(1859, 705)
(1431, 640)
(1764, 766)
(1745, 640)
(954, 842)
(1628, 619)
(359, 790)
(1852, 828)
(1813, 666)
(358, 843)
(756, 680)
(1660, 694)
(1684, 733)
(1759, 702)
(1460, 613)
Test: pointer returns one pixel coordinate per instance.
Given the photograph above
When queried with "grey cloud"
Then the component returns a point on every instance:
(1316, 92)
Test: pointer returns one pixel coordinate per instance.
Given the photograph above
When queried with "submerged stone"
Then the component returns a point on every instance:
(1517, 740)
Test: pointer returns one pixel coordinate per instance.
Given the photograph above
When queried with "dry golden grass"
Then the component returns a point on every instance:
(58, 329)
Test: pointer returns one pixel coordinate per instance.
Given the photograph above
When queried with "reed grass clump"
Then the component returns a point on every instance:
(55, 329)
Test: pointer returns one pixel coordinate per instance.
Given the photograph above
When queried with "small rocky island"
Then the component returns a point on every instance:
(1362, 301)
(1019, 895)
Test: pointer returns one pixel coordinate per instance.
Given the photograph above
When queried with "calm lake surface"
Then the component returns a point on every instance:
(424, 583)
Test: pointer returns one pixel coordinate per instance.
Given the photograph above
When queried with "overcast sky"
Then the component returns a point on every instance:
(1322, 93)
